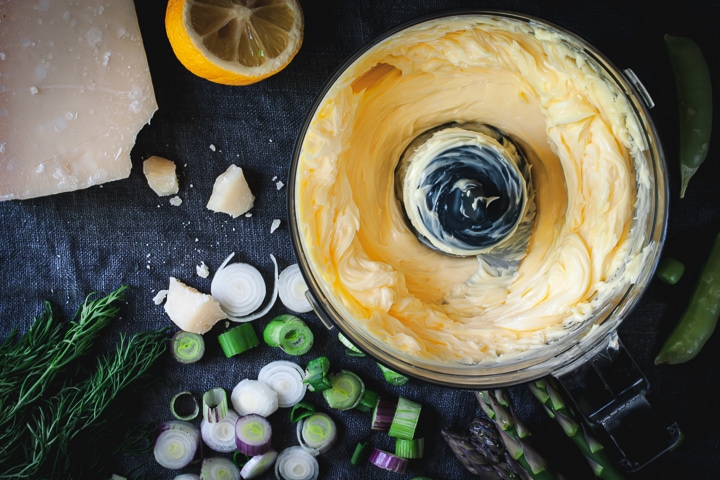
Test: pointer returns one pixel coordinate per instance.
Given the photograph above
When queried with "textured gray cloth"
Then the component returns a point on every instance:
(61, 248)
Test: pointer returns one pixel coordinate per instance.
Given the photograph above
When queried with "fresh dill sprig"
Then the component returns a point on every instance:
(41, 418)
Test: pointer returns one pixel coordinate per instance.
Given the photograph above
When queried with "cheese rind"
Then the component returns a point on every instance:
(75, 89)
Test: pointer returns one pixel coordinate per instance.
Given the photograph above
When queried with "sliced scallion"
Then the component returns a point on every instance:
(258, 464)
(292, 290)
(215, 404)
(361, 453)
(388, 461)
(301, 410)
(253, 396)
(177, 444)
(289, 333)
(187, 347)
(405, 420)
(316, 374)
(184, 406)
(317, 433)
(253, 434)
(220, 435)
(346, 390)
(352, 349)
(286, 378)
(238, 339)
(368, 402)
(219, 468)
(240, 290)
(383, 414)
(294, 463)
(410, 448)
(392, 377)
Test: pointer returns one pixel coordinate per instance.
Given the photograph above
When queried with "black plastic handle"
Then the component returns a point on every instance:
(609, 391)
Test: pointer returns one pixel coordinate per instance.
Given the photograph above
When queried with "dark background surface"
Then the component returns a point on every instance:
(60, 248)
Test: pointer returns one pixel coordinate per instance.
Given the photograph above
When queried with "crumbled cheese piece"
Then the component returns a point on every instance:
(212, 147)
(74, 92)
(279, 184)
(275, 225)
(160, 297)
(191, 310)
(176, 201)
(202, 270)
(231, 193)
(160, 175)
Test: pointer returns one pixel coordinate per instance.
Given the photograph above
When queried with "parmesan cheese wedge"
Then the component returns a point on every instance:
(191, 310)
(75, 89)
(231, 193)
(160, 175)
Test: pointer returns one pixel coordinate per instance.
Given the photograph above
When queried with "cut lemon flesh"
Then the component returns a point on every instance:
(234, 42)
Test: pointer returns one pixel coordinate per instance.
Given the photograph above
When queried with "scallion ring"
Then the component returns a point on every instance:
(220, 435)
(405, 419)
(301, 410)
(317, 433)
(368, 402)
(215, 404)
(316, 374)
(361, 453)
(177, 444)
(410, 447)
(219, 468)
(346, 390)
(388, 461)
(253, 434)
(292, 290)
(351, 348)
(294, 463)
(286, 378)
(290, 333)
(258, 464)
(238, 340)
(240, 290)
(383, 414)
(392, 377)
(253, 396)
(187, 347)
(184, 406)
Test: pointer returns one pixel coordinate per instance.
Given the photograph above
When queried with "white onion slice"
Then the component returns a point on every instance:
(294, 463)
(220, 435)
(253, 396)
(219, 468)
(187, 476)
(240, 290)
(285, 378)
(292, 289)
(176, 444)
(258, 464)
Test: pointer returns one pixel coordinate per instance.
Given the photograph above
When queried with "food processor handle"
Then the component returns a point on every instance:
(609, 391)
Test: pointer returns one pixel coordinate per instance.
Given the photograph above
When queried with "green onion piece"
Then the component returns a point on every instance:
(361, 453)
(187, 347)
(405, 420)
(670, 270)
(317, 433)
(289, 333)
(316, 374)
(410, 448)
(301, 410)
(240, 459)
(215, 405)
(184, 406)
(393, 377)
(346, 392)
(368, 402)
(238, 339)
(352, 349)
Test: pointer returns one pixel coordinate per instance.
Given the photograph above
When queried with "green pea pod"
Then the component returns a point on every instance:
(700, 317)
(694, 91)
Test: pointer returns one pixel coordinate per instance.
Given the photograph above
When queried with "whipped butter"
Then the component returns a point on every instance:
(580, 249)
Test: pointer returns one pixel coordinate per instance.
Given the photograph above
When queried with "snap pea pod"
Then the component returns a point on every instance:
(694, 91)
(700, 317)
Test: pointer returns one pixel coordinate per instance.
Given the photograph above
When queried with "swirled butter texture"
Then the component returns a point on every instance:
(584, 147)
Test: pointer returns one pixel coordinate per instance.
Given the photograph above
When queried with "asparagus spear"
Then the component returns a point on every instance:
(593, 450)
(498, 407)
(482, 453)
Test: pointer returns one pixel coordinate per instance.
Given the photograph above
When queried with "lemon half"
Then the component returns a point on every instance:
(234, 42)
